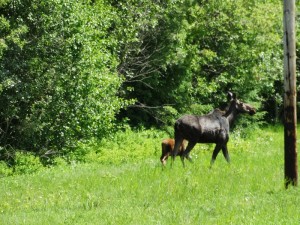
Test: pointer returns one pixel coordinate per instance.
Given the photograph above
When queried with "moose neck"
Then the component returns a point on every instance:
(231, 113)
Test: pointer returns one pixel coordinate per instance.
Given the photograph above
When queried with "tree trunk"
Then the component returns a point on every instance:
(290, 114)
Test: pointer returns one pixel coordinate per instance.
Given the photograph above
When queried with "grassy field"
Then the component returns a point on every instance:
(248, 191)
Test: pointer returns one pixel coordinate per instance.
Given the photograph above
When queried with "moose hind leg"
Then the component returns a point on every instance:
(189, 147)
(175, 151)
(186, 153)
(189, 158)
(225, 153)
(215, 153)
(178, 142)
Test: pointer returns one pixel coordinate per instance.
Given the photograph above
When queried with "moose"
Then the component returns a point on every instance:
(167, 147)
(209, 128)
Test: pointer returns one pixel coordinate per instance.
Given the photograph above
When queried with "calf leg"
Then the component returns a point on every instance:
(163, 159)
(225, 153)
(215, 153)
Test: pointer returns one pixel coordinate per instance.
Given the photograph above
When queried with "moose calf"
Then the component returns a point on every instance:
(167, 147)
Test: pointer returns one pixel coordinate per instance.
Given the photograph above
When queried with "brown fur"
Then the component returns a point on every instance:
(167, 147)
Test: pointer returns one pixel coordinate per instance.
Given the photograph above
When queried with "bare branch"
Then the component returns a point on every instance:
(142, 105)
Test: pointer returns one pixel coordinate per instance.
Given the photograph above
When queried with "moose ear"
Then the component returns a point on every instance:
(231, 96)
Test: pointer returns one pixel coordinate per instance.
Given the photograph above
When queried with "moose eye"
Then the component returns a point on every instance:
(241, 105)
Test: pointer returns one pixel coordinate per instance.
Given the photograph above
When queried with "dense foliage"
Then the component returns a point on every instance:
(191, 53)
(58, 74)
(73, 70)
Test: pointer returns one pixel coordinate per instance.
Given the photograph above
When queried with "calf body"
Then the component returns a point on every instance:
(167, 147)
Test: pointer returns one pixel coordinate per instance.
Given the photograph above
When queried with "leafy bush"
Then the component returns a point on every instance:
(192, 52)
(59, 161)
(5, 170)
(26, 163)
(59, 80)
(125, 146)
(68, 68)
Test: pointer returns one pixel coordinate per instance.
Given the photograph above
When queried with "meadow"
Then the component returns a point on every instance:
(125, 184)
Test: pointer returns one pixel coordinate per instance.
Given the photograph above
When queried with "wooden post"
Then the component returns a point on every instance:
(290, 110)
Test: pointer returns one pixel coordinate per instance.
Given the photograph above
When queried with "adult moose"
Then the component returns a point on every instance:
(209, 128)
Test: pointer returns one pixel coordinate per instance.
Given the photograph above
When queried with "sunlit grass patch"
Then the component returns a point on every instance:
(248, 191)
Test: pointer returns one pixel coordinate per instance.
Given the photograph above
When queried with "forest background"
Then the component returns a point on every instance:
(76, 71)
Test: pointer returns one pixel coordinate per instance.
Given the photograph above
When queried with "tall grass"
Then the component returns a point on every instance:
(138, 191)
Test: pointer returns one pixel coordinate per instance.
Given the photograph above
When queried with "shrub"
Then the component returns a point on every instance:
(5, 170)
(126, 146)
(62, 84)
(26, 163)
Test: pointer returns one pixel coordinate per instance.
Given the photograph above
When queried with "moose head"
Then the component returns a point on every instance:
(238, 105)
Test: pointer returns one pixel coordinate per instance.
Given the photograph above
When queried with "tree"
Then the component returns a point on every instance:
(290, 111)
(59, 79)
(195, 51)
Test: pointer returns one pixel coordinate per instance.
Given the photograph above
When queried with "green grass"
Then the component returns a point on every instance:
(248, 191)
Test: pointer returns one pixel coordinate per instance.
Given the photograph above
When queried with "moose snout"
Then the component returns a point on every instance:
(252, 112)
